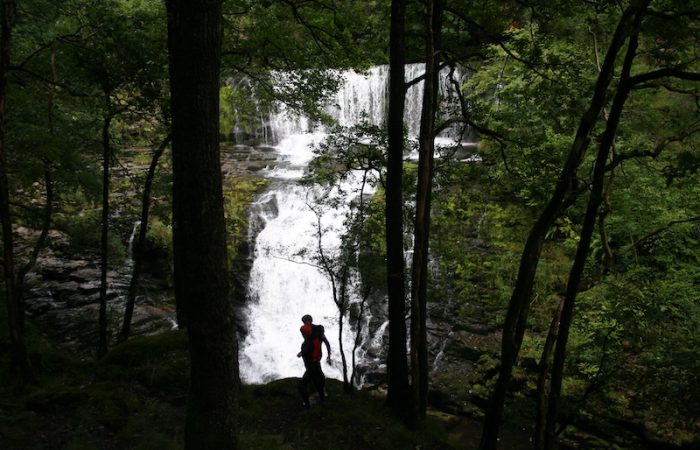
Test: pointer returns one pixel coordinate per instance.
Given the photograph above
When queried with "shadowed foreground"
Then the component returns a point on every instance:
(135, 399)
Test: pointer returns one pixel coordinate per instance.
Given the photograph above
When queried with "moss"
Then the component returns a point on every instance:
(133, 399)
(257, 441)
(84, 231)
(273, 418)
(51, 398)
(238, 194)
(159, 362)
(159, 441)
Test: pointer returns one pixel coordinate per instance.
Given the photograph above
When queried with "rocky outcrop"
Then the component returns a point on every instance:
(63, 297)
(62, 294)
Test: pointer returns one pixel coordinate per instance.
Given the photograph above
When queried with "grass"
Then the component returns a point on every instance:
(272, 418)
(135, 398)
(129, 400)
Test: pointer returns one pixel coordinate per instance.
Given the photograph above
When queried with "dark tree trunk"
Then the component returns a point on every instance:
(41, 241)
(419, 277)
(15, 313)
(48, 207)
(608, 256)
(357, 236)
(589, 223)
(141, 239)
(104, 233)
(339, 286)
(342, 309)
(199, 232)
(545, 367)
(358, 332)
(397, 366)
(518, 308)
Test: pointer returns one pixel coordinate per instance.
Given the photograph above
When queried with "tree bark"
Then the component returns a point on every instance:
(21, 366)
(104, 232)
(358, 332)
(543, 377)
(48, 206)
(518, 307)
(342, 310)
(419, 276)
(594, 201)
(41, 241)
(339, 286)
(141, 239)
(397, 366)
(199, 232)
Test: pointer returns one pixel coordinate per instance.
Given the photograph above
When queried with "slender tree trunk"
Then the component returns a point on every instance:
(609, 255)
(199, 232)
(48, 206)
(419, 278)
(358, 332)
(338, 289)
(342, 309)
(104, 250)
(594, 201)
(15, 313)
(518, 308)
(397, 366)
(141, 239)
(545, 367)
(41, 241)
(357, 235)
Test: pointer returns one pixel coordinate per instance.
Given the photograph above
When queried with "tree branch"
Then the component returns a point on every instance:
(637, 80)
(635, 243)
(320, 43)
(654, 153)
(15, 68)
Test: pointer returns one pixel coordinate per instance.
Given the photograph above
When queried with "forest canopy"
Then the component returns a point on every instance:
(541, 269)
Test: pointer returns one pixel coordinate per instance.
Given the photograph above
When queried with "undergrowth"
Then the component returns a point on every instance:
(135, 398)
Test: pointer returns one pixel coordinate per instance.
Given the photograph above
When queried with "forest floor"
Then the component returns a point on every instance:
(135, 398)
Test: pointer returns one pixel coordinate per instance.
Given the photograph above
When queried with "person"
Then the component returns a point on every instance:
(311, 354)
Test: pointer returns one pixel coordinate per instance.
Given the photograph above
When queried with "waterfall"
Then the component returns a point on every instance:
(366, 95)
(130, 242)
(285, 281)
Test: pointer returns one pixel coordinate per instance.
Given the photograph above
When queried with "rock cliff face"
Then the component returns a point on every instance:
(62, 297)
(62, 292)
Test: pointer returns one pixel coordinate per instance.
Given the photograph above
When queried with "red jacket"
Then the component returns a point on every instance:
(311, 347)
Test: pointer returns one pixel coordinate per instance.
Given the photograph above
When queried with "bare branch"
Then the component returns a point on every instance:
(320, 43)
(49, 44)
(302, 263)
(48, 81)
(636, 242)
(656, 151)
(640, 79)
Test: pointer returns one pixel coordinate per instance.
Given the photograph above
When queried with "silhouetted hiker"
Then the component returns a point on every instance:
(311, 354)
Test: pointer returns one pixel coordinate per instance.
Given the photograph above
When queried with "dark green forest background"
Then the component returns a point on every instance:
(586, 114)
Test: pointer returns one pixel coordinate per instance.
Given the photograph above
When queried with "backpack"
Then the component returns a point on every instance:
(317, 332)
(312, 344)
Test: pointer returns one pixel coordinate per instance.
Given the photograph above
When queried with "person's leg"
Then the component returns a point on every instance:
(323, 382)
(319, 381)
(304, 387)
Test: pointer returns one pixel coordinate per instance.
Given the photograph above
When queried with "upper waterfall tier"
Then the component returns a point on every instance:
(364, 95)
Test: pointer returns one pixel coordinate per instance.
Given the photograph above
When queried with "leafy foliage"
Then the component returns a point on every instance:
(238, 193)
(632, 355)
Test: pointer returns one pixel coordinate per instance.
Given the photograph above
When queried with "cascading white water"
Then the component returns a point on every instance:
(285, 280)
